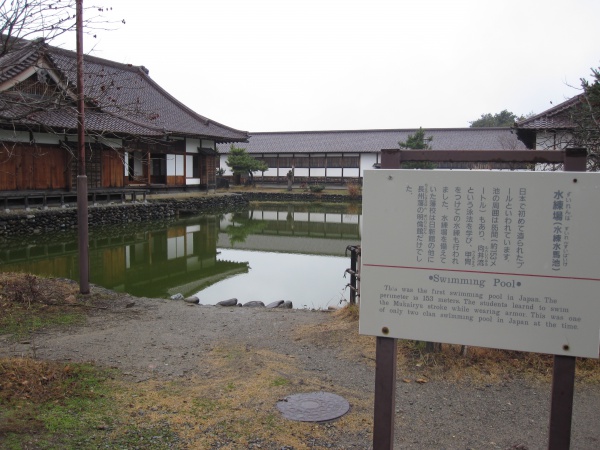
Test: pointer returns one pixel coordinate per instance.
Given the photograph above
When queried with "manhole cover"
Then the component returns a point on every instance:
(313, 407)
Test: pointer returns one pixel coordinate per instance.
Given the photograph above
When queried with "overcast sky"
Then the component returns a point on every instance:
(283, 65)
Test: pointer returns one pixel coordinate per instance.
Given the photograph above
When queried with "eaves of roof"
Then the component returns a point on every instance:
(553, 118)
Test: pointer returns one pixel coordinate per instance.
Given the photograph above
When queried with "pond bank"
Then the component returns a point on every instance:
(37, 221)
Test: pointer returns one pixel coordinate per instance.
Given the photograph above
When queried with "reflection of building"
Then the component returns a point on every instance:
(270, 227)
(152, 262)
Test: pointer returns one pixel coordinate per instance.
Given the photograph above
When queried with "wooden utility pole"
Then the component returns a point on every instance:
(82, 189)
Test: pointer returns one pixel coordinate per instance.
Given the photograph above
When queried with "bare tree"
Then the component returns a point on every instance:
(47, 19)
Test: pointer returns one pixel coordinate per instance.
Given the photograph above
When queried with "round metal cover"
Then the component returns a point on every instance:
(313, 407)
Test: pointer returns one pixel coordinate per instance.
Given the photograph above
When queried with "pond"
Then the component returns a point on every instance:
(267, 252)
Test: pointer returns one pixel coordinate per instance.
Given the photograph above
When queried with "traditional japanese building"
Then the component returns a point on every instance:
(342, 156)
(137, 134)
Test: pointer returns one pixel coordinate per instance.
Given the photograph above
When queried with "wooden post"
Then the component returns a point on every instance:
(563, 374)
(385, 393)
(82, 187)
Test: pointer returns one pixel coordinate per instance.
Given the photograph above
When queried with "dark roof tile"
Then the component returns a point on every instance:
(369, 141)
(556, 117)
(125, 99)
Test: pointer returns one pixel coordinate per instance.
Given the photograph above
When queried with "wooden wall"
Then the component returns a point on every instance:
(31, 167)
(112, 169)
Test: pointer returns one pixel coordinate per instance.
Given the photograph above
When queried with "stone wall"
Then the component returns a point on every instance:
(35, 222)
(41, 221)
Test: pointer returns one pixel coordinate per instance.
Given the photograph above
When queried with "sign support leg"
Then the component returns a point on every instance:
(385, 393)
(561, 410)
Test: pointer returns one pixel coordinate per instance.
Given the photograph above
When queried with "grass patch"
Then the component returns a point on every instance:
(21, 324)
(52, 404)
(280, 381)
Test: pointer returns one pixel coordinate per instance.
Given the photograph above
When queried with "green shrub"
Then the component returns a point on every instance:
(316, 188)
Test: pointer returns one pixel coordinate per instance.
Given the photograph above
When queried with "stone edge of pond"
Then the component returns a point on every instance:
(37, 221)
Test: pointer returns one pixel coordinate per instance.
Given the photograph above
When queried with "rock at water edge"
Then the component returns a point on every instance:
(230, 302)
(254, 304)
(275, 304)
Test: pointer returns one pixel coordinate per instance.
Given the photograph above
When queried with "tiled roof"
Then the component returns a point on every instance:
(369, 141)
(123, 98)
(554, 118)
(19, 59)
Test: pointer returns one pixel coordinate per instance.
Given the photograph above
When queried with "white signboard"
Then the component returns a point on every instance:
(492, 259)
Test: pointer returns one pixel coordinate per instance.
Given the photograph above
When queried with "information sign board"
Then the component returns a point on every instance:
(505, 260)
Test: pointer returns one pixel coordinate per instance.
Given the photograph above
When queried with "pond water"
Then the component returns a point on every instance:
(266, 252)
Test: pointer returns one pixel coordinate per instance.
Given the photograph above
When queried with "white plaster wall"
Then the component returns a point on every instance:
(270, 172)
(552, 141)
(317, 172)
(223, 164)
(334, 172)
(298, 172)
(367, 160)
(191, 145)
(208, 144)
(192, 181)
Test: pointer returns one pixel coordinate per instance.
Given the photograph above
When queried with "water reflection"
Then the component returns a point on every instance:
(263, 253)
(293, 228)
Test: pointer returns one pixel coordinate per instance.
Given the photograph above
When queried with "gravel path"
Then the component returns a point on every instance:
(164, 339)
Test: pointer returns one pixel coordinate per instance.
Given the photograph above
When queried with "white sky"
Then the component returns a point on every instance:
(283, 65)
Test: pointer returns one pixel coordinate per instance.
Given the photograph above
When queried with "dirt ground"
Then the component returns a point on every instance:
(157, 340)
